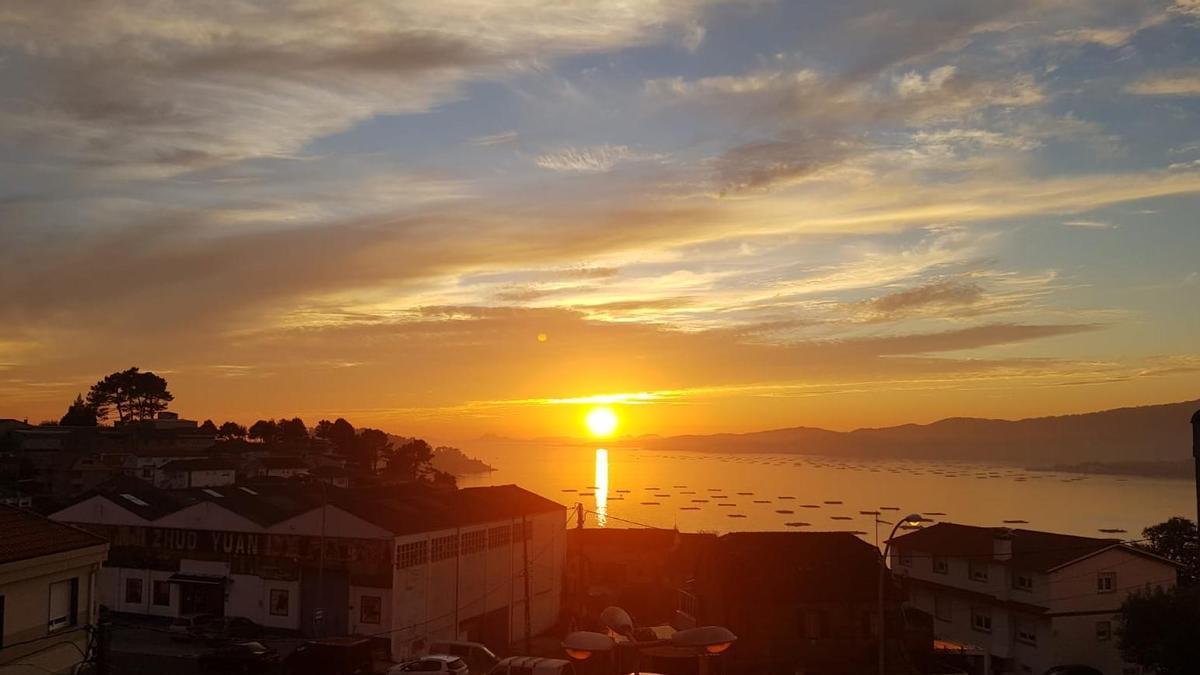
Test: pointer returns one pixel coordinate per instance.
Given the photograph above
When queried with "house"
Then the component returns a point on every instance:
(196, 473)
(145, 464)
(279, 466)
(798, 602)
(47, 575)
(331, 475)
(416, 564)
(1026, 600)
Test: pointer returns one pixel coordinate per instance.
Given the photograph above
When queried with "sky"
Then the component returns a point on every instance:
(463, 218)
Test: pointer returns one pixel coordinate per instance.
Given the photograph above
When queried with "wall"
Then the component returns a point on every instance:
(98, 510)
(26, 589)
(208, 515)
(1073, 590)
(385, 611)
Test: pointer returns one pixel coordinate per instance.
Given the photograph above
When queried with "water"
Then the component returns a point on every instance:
(625, 488)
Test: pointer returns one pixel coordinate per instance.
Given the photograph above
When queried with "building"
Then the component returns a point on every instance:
(1026, 600)
(279, 466)
(412, 563)
(48, 574)
(799, 602)
(196, 473)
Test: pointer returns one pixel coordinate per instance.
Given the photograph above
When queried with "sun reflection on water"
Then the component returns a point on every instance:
(601, 487)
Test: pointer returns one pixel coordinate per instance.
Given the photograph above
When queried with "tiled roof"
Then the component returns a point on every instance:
(1031, 549)
(25, 535)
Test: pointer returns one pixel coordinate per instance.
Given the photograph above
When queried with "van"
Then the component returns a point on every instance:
(478, 657)
(533, 665)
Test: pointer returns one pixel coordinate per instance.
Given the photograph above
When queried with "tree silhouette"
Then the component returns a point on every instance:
(132, 394)
(293, 432)
(1160, 630)
(209, 427)
(340, 434)
(231, 430)
(372, 444)
(265, 431)
(80, 414)
(1177, 539)
(411, 460)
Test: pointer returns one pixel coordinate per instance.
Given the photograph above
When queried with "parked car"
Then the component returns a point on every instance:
(226, 629)
(480, 660)
(533, 665)
(185, 627)
(433, 663)
(241, 657)
(331, 656)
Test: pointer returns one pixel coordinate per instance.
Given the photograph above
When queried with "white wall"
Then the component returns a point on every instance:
(385, 613)
(208, 515)
(338, 523)
(98, 510)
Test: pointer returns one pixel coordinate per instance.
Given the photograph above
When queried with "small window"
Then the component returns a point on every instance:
(905, 557)
(161, 594)
(133, 591)
(1027, 632)
(412, 554)
(977, 570)
(1106, 582)
(942, 607)
(941, 565)
(1103, 631)
(981, 620)
(212, 493)
(499, 536)
(280, 602)
(1022, 581)
(370, 609)
(474, 542)
(64, 604)
(147, 472)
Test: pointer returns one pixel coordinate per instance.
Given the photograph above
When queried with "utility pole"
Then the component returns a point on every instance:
(1196, 457)
(525, 558)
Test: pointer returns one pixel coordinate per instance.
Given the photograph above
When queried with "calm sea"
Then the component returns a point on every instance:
(713, 492)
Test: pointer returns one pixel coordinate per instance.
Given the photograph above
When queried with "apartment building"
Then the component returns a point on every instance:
(1026, 600)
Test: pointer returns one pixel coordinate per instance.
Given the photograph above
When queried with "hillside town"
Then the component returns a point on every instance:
(162, 543)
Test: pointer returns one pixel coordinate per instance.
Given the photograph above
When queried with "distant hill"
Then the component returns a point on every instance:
(1155, 433)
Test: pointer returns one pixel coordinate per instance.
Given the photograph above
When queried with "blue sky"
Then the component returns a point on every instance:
(934, 207)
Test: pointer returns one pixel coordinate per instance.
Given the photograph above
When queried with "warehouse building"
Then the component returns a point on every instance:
(412, 563)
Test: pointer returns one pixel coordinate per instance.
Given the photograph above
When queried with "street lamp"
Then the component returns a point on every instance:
(912, 519)
(706, 640)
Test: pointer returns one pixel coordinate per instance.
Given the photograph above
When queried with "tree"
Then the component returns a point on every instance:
(80, 414)
(293, 431)
(264, 431)
(1160, 630)
(411, 460)
(132, 394)
(372, 444)
(340, 434)
(231, 430)
(1177, 539)
(209, 427)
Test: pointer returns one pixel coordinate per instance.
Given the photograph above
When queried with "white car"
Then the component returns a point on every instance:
(433, 663)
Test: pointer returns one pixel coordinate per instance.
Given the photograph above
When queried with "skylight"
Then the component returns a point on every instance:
(212, 493)
(130, 498)
(249, 491)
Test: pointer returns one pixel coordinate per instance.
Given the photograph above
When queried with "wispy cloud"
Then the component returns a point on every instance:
(591, 159)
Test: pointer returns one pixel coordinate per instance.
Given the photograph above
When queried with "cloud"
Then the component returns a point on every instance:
(1089, 224)
(500, 138)
(944, 293)
(1177, 83)
(591, 159)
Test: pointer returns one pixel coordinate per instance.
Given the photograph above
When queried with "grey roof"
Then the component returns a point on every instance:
(204, 464)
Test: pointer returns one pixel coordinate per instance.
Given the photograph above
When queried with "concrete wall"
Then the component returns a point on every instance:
(431, 601)
(356, 601)
(25, 586)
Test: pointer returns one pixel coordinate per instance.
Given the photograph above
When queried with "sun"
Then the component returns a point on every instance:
(601, 421)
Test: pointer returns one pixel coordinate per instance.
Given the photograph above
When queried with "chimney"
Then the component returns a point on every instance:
(1002, 540)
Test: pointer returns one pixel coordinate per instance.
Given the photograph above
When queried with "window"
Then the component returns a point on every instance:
(474, 542)
(1103, 630)
(370, 609)
(133, 591)
(280, 602)
(64, 603)
(147, 472)
(1023, 581)
(411, 554)
(977, 570)
(941, 565)
(1106, 582)
(160, 594)
(499, 536)
(1027, 632)
(904, 557)
(981, 620)
(442, 548)
(943, 607)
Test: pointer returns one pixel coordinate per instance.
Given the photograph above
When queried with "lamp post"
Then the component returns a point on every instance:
(912, 519)
(705, 640)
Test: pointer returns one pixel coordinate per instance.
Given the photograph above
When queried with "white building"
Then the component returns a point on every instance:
(48, 574)
(1027, 600)
(411, 564)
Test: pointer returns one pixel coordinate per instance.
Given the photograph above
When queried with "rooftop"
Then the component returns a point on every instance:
(25, 535)
(1031, 549)
(204, 464)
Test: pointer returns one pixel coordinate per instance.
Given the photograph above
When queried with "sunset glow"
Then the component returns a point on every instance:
(601, 422)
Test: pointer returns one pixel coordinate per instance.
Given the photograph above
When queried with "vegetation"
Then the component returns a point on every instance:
(1160, 629)
(80, 414)
(134, 395)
